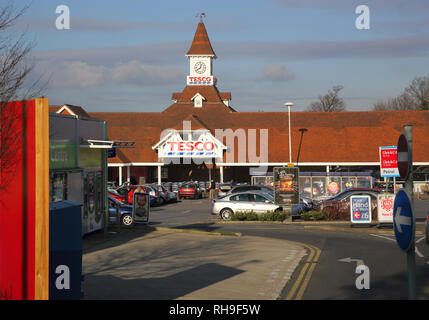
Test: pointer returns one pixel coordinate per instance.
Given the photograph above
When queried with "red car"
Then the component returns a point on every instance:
(125, 194)
(338, 207)
(190, 190)
(116, 195)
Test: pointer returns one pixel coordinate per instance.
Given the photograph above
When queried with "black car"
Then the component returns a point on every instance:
(245, 188)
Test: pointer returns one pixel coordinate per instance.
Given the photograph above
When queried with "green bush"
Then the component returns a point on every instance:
(253, 216)
(313, 215)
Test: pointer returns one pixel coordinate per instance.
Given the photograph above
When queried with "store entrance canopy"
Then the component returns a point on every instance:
(189, 144)
(106, 144)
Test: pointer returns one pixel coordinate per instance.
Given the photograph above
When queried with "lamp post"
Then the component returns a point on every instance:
(302, 130)
(289, 105)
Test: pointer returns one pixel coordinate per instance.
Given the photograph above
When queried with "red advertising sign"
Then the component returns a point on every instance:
(388, 162)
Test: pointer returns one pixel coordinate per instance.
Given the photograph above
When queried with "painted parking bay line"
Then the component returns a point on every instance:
(304, 277)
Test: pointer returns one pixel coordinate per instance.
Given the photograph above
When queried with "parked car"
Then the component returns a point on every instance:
(223, 189)
(152, 192)
(244, 188)
(125, 211)
(163, 193)
(113, 193)
(190, 190)
(255, 201)
(340, 204)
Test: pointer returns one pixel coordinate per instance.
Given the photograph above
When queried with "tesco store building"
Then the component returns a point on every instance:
(200, 136)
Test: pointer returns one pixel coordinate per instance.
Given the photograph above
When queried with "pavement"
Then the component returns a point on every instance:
(150, 263)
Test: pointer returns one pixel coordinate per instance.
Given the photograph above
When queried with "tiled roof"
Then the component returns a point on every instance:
(76, 110)
(331, 137)
(201, 43)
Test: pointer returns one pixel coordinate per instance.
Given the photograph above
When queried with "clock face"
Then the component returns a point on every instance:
(200, 67)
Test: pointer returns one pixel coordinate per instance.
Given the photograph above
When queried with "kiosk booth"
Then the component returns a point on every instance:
(78, 166)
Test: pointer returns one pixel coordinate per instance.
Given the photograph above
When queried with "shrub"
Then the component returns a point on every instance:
(313, 215)
(253, 216)
(306, 216)
(317, 215)
(245, 216)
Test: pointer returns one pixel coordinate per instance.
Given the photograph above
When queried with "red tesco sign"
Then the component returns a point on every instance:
(191, 145)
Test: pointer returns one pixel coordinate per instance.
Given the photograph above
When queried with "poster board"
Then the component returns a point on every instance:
(286, 186)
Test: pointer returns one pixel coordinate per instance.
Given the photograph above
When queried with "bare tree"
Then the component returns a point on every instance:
(414, 97)
(330, 102)
(401, 102)
(15, 68)
(418, 92)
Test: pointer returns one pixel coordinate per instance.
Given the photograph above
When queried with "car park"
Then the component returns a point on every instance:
(190, 190)
(255, 201)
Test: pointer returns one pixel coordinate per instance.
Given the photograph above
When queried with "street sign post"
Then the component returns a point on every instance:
(403, 217)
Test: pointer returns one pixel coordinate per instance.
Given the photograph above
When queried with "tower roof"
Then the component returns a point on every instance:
(201, 43)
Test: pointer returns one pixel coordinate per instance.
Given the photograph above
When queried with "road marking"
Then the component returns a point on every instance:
(383, 237)
(359, 262)
(187, 211)
(419, 253)
(416, 249)
(308, 277)
(421, 239)
(303, 279)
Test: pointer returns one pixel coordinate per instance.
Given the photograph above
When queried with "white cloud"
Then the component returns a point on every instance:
(277, 72)
(72, 74)
(79, 74)
(138, 73)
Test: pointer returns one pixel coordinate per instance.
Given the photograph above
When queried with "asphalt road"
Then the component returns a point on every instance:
(331, 279)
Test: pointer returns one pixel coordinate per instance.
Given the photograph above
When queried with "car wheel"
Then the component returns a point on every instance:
(226, 214)
(127, 220)
(161, 201)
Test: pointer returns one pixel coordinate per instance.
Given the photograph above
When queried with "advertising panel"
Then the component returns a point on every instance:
(360, 209)
(388, 162)
(141, 203)
(286, 185)
(385, 208)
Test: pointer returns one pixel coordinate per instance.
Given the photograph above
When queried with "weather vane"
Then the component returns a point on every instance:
(201, 15)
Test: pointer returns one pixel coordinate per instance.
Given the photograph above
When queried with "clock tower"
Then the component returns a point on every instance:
(201, 57)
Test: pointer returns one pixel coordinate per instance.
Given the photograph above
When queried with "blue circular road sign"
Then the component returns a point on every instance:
(403, 220)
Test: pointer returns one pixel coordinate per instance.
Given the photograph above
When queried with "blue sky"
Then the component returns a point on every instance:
(129, 55)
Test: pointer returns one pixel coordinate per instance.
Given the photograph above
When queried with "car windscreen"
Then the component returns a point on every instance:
(189, 185)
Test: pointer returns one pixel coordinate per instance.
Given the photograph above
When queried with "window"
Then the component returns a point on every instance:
(240, 197)
(257, 198)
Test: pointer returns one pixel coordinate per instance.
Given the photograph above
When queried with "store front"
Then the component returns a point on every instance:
(234, 144)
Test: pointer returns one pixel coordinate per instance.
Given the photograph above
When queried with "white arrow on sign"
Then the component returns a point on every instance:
(359, 262)
(406, 221)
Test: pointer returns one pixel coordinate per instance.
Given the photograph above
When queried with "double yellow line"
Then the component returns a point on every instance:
(304, 277)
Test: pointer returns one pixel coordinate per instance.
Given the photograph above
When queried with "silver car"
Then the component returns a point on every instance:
(255, 201)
